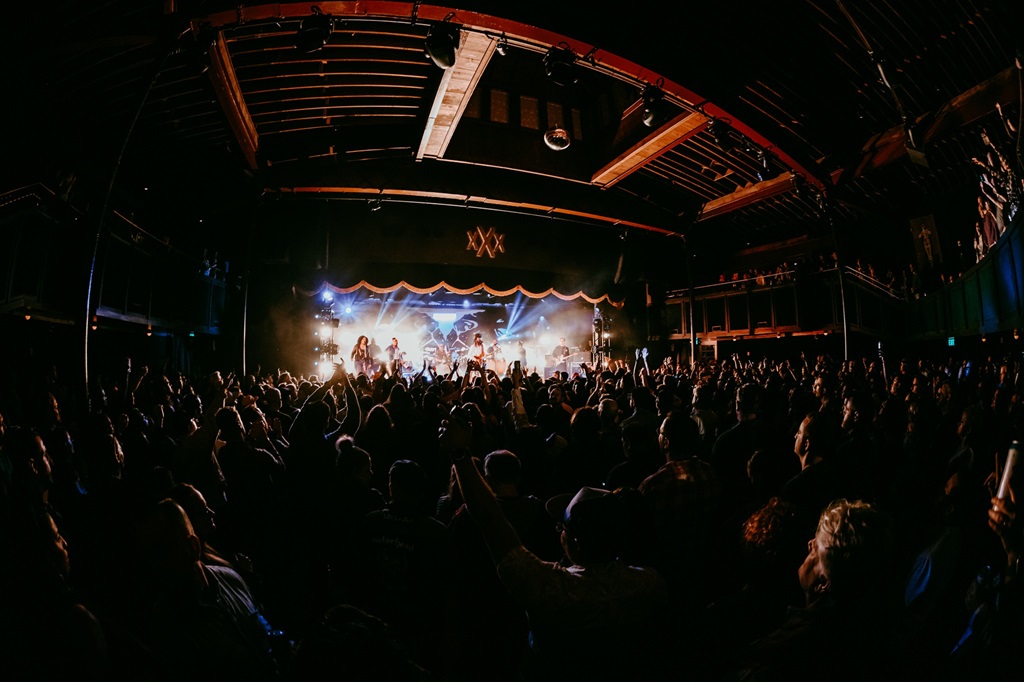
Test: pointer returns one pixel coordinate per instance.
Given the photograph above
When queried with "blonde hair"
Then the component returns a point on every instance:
(855, 544)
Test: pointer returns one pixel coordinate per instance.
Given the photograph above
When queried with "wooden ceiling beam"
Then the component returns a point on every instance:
(232, 101)
(454, 92)
(448, 198)
(960, 111)
(520, 35)
(676, 131)
(745, 196)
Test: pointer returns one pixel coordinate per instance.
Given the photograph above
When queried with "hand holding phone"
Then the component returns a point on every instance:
(1003, 491)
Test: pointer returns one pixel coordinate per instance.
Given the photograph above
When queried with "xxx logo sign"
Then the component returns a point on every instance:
(489, 242)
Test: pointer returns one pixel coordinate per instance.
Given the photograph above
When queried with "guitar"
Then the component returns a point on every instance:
(556, 360)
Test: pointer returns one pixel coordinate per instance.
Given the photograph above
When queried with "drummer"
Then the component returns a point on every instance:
(441, 354)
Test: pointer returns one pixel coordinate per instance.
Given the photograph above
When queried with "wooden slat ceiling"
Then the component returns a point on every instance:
(814, 98)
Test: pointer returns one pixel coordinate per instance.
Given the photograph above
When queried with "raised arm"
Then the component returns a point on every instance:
(321, 390)
(519, 416)
(454, 438)
(353, 408)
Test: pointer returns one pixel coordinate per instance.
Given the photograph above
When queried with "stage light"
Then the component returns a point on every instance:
(720, 131)
(763, 158)
(313, 31)
(502, 46)
(442, 42)
(348, 310)
(654, 104)
(149, 330)
(560, 65)
(328, 297)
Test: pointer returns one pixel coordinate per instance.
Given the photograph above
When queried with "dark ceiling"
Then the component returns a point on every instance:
(778, 121)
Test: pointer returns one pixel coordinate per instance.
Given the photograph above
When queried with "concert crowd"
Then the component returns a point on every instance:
(738, 519)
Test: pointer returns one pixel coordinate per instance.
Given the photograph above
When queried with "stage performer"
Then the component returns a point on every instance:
(360, 357)
(560, 356)
(478, 352)
(394, 357)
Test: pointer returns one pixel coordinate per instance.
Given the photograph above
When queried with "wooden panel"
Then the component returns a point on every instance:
(784, 302)
(738, 320)
(761, 308)
(715, 314)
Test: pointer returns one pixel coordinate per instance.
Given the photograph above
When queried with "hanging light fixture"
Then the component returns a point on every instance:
(557, 138)
(560, 65)
(502, 46)
(654, 104)
(442, 42)
(314, 31)
(720, 131)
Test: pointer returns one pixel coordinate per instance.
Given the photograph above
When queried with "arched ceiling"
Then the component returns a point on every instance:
(780, 120)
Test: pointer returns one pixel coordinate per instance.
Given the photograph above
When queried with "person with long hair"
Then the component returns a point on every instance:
(360, 356)
(478, 352)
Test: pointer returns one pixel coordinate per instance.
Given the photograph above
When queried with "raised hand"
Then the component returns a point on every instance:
(456, 432)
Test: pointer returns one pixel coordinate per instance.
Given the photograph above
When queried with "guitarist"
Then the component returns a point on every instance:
(560, 356)
(478, 352)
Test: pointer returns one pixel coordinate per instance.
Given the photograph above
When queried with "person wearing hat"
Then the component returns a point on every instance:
(593, 613)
